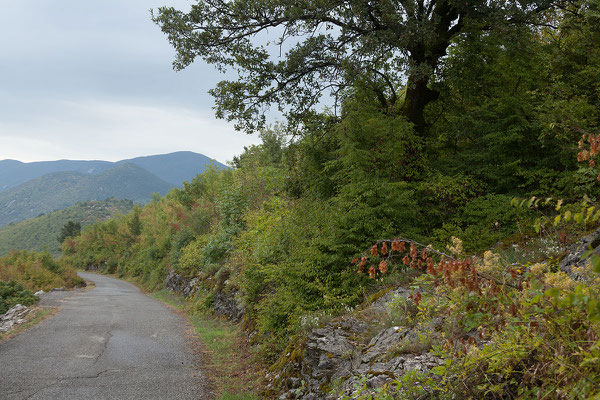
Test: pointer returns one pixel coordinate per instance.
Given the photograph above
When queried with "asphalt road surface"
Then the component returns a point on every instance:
(111, 342)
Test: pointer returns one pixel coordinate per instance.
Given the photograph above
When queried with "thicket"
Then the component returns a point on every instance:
(280, 229)
(37, 271)
(13, 293)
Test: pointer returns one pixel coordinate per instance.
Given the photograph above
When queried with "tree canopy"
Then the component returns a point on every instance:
(393, 48)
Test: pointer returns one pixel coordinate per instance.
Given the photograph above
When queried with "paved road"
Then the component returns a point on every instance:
(112, 342)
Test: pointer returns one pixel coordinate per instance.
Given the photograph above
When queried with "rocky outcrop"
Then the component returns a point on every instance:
(229, 305)
(224, 303)
(574, 257)
(14, 316)
(181, 284)
(346, 352)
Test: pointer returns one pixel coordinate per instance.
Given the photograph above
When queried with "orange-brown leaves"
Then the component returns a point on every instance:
(406, 260)
(384, 249)
(383, 267)
(374, 250)
(361, 266)
(588, 154)
(372, 271)
(416, 298)
(398, 246)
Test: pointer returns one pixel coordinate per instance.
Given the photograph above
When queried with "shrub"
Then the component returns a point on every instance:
(13, 293)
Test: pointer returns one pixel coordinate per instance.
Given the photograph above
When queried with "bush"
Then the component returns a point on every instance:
(484, 221)
(13, 293)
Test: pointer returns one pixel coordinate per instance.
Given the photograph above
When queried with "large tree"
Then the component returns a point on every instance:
(391, 47)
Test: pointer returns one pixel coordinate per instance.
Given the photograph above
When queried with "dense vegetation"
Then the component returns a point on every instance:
(41, 233)
(13, 293)
(37, 271)
(517, 87)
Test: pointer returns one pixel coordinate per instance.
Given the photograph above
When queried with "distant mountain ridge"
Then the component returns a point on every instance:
(59, 190)
(174, 168)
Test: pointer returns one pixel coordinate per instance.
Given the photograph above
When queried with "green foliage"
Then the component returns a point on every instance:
(331, 47)
(69, 230)
(13, 293)
(38, 271)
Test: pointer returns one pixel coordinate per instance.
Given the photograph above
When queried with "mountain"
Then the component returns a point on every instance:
(59, 190)
(173, 168)
(14, 173)
(40, 233)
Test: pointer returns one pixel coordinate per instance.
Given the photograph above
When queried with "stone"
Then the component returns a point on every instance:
(575, 252)
(229, 305)
(14, 316)
(39, 293)
(382, 343)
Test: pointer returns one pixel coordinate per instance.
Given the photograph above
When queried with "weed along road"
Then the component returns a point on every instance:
(111, 342)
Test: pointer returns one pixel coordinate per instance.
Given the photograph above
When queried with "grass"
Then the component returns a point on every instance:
(234, 377)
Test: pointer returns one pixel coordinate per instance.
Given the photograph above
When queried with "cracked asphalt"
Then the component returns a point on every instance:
(111, 342)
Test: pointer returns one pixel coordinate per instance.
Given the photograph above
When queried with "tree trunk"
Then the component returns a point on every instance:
(418, 95)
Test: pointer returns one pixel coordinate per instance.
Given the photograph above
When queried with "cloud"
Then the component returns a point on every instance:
(115, 130)
(93, 80)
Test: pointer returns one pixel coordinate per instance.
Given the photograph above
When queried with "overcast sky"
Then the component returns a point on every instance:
(93, 80)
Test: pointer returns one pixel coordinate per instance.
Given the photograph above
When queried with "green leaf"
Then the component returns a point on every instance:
(557, 219)
(530, 202)
(567, 216)
(595, 262)
(552, 292)
(558, 205)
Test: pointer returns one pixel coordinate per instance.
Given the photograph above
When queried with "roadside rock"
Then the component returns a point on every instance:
(14, 316)
(575, 252)
(228, 305)
(344, 355)
(180, 284)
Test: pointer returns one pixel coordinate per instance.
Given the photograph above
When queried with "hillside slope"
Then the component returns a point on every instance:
(40, 233)
(63, 189)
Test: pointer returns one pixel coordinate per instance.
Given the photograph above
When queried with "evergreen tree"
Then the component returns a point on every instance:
(70, 229)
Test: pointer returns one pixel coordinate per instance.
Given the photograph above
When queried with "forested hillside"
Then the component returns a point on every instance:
(60, 190)
(42, 232)
(471, 120)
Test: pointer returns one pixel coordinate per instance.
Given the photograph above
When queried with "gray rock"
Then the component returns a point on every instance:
(382, 343)
(336, 357)
(575, 252)
(14, 316)
(39, 293)
(229, 305)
